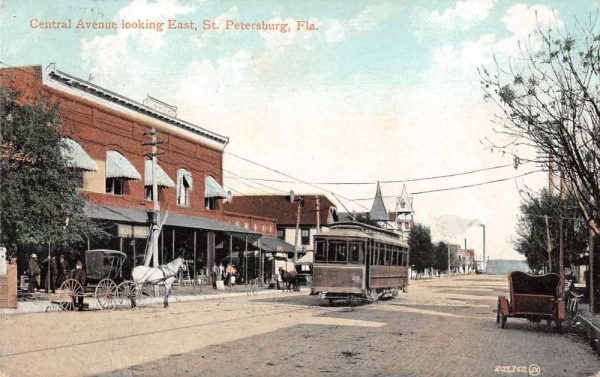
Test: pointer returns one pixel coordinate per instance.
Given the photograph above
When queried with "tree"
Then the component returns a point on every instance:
(531, 240)
(39, 192)
(420, 246)
(550, 101)
(440, 256)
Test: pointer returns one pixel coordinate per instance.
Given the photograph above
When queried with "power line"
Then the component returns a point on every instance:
(387, 181)
(291, 177)
(458, 187)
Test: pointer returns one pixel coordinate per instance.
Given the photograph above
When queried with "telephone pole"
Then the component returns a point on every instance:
(154, 143)
(317, 204)
(299, 200)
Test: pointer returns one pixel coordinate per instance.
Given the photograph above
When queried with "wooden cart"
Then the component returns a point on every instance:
(534, 297)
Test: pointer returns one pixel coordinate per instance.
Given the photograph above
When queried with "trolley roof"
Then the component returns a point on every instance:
(360, 230)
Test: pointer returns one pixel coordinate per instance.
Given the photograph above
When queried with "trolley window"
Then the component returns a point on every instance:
(320, 254)
(381, 260)
(357, 252)
(337, 252)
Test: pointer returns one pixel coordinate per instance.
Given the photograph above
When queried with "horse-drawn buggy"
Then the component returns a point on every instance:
(104, 277)
(534, 297)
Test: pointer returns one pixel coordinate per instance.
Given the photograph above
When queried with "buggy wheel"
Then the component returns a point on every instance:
(498, 315)
(126, 293)
(106, 294)
(559, 326)
(70, 294)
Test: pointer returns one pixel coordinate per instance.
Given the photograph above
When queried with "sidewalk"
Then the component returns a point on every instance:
(592, 326)
(41, 302)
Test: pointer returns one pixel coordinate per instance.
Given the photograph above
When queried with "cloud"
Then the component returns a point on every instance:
(204, 39)
(464, 15)
(105, 56)
(365, 21)
(522, 21)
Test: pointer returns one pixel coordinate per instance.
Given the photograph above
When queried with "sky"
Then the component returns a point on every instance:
(378, 91)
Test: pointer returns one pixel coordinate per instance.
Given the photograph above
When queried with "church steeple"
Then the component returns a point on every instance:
(378, 212)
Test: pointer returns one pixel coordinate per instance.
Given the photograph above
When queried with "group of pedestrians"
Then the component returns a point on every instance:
(56, 272)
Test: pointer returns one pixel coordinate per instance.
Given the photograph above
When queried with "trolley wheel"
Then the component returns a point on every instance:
(126, 293)
(70, 294)
(106, 294)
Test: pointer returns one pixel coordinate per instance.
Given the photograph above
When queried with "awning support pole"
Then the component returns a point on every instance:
(195, 273)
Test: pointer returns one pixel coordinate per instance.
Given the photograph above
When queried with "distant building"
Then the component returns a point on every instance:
(315, 210)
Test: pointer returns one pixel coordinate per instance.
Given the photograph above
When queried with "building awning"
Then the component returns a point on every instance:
(162, 179)
(275, 244)
(118, 214)
(212, 189)
(205, 223)
(76, 156)
(135, 215)
(117, 166)
(185, 177)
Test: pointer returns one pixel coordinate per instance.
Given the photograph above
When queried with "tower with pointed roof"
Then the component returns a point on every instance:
(404, 212)
(378, 212)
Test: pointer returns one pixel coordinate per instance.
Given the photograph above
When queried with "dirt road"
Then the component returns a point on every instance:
(442, 327)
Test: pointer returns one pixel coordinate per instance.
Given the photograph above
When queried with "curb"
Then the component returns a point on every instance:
(26, 307)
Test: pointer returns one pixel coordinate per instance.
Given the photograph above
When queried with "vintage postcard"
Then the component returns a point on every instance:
(302, 188)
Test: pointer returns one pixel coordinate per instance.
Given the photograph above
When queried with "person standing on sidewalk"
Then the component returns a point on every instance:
(51, 273)
(79, 274)
(63, 270)
(34, 273)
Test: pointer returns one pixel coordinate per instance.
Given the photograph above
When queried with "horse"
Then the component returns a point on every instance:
(164, 274)
(289, 277)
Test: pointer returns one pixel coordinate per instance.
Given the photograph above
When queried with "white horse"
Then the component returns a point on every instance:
(164, 274)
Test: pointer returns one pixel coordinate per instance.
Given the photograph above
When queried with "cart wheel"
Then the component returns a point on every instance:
(498, 310)
(500, 319)
(127, 292)
(106, 294)
(559, 326)
(70, 293)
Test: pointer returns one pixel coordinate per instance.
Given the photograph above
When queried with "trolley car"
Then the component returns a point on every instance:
(359, 262)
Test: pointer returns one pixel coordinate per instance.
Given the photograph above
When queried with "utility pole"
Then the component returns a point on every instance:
(561, 236)
(156, 205)
(317, 204)
(299, 200)
(548, 243)
(483, 226)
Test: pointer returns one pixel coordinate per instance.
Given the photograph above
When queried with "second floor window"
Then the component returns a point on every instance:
(281, 234)
(184, 187)
(305, 235)
(115, 186)
(210, 203)
(148, 193)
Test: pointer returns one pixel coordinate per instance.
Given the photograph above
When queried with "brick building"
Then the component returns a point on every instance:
(315, 211)
(106, 133)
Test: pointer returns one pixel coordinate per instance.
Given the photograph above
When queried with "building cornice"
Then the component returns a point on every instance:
(96, 91)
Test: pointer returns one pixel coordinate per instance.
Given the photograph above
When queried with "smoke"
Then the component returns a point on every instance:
(452, 226)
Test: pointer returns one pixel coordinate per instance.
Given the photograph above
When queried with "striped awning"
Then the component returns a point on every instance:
(76, 156)
(185, 177)
(162, 179)
(212, 189)
(117, 166)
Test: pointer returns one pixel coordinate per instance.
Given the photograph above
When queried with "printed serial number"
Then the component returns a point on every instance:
(511, 369)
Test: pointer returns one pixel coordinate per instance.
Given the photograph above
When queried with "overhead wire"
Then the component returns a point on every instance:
(387, 181)
(457, 187)
(292, 177)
